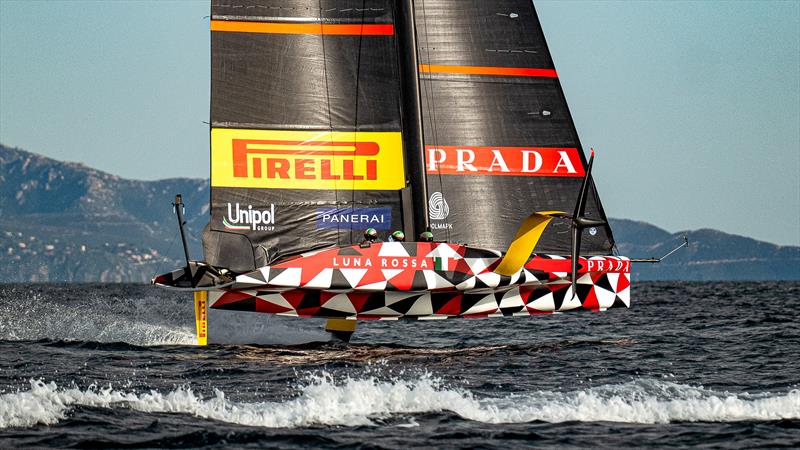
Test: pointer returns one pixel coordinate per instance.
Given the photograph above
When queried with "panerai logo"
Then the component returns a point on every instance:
(240, 219)
(380, 218)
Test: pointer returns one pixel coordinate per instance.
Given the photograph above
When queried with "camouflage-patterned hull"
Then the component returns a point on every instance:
(421, 280)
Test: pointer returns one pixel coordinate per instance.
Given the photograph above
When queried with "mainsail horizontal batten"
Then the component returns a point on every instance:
(488, 70)
(362, 29)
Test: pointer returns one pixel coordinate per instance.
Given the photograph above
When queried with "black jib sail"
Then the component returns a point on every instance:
(499, 139)
(308, 101)
(306, 146)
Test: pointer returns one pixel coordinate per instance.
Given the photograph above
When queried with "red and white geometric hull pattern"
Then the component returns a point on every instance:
(424, 281)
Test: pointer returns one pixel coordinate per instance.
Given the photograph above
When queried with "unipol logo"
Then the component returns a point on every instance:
(518, 161)
(240, 219)
(437, 207)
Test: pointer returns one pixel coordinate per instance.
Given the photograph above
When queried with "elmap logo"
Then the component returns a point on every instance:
(438, 209)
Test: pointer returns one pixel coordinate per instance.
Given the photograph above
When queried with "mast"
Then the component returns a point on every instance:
(411, 113)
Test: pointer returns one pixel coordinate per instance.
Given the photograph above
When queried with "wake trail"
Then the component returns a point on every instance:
(96, 317)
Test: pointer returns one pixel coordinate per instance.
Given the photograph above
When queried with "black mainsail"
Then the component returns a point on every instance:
(306, 146)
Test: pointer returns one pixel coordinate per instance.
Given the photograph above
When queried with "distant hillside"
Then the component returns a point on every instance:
(67, 222)
(712, 254)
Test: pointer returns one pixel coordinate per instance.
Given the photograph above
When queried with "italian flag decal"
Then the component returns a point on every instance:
(234, 227)
(440, 263)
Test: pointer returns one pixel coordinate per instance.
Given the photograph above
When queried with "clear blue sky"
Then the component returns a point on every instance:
(694, 107)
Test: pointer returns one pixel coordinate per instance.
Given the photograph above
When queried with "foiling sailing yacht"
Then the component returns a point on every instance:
(447, 116)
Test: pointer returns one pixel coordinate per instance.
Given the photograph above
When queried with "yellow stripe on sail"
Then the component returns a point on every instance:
(525, 241)
(201, 316)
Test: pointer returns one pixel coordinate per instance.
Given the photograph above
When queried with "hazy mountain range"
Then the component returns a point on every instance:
(62, 221)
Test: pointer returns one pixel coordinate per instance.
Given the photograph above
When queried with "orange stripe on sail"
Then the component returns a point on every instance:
(303, 28)
(488, 70)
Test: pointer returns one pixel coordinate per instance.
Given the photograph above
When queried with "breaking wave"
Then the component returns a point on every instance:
(321, 400)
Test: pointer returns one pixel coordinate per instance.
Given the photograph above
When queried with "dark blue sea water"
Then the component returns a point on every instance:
(691, 364)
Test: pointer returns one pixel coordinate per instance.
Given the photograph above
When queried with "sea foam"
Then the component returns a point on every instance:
(322, 400)
(149, 320)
